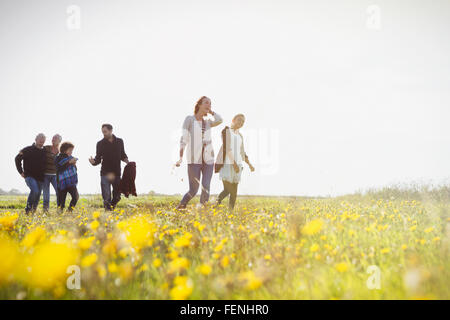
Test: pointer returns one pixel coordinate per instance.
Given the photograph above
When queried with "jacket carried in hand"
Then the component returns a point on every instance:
(127, 183)
(66, 173)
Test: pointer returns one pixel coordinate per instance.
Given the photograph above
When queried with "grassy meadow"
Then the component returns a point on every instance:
(388, 244)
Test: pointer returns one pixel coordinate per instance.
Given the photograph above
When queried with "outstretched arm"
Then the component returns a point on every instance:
(98, 156)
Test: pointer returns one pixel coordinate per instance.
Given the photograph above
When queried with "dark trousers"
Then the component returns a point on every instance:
(228, 189)
(63, 194)
(108, 202)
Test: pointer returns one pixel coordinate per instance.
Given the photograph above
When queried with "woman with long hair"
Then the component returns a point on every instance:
(196, 138)
(230, 159)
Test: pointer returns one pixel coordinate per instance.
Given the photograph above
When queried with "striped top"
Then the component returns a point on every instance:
(50, 167)
(191, 139)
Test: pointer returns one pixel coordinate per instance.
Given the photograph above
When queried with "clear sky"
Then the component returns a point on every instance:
(338, 95)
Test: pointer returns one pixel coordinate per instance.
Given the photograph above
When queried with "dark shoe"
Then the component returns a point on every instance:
(181, 207)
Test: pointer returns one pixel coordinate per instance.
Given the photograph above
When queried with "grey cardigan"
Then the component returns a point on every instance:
(191, 139)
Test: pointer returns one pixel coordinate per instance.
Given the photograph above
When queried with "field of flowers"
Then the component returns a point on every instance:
(269, 248)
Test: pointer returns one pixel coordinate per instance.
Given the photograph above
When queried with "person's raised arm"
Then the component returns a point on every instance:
(217, 119)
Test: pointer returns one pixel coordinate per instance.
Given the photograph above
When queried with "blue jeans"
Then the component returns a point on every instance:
(194, 171)
(108, 202)
(49, 179)
(35, 193)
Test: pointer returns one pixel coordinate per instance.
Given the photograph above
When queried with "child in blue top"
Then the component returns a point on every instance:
(66, 175)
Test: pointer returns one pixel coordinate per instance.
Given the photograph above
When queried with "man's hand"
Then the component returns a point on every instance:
(126, 161)
(179, 162)
(92, 161)
(73, 161)
(252, 168)
(236, 167)
(22, 175)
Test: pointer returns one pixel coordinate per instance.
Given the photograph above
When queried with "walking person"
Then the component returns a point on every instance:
(34, 160)
(110, 153)
(230, 160)
(67, 176)
(51, 152)
(196, 137)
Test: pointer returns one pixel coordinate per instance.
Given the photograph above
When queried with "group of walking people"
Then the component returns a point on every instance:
(196, 139)
(41, 165)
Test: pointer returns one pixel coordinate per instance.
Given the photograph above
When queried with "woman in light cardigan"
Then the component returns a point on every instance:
(196, 138)
(232, 160)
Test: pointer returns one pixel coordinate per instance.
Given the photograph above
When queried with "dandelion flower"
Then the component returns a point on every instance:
(312, 227)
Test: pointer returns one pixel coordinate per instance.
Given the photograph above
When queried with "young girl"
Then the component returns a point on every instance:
(67, 175)
(230, 162)
(200, 154)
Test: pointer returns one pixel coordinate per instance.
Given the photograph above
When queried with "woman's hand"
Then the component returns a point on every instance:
(252, 168)
(236, 167)
(179, 162)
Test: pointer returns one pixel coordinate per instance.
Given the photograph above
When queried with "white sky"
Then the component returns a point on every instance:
(332, 106)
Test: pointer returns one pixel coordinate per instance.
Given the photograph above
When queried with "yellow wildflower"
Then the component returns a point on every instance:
(204, 269)
(341, 267)
(312, 227)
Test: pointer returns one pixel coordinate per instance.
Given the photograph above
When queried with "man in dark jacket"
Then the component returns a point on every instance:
(110, 152)
(33, 170)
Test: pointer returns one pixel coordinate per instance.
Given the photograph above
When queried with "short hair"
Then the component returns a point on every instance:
(66, 146)
(107, 126)
(40, 135)
(58, 136)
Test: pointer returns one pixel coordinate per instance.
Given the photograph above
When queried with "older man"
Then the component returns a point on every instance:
(34, 159)
(51, 152)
